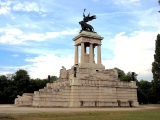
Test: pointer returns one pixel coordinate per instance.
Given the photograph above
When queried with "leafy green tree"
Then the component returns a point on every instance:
(21, 80)
(21, 84)
(3, 82)
(145, 92)
(6, 88)
(36, 84)
(156, 69)
(151, 94)
(125, 77)
(53, 78)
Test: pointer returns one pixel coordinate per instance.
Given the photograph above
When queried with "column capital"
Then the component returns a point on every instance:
(99, 44)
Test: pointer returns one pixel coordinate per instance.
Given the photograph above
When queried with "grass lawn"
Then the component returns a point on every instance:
(153, 114)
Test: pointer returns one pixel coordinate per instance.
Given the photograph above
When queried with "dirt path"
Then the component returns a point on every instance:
(13, 109)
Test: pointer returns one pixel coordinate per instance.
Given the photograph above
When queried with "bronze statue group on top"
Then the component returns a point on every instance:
(84, 25)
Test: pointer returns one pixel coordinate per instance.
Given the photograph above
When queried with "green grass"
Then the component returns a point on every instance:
(153, 114)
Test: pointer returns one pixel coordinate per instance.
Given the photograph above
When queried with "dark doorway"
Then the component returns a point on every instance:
(95, 103)
(119, 103)
(81, 103)
(130, 103)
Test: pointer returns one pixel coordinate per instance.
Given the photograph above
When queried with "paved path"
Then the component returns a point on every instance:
(13, 109)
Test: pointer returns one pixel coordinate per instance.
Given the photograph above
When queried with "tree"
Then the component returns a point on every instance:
(125, 77)
(21, 84)
(3, 82)
(53, 78)
(21, 80)
(156, 69)
(6, 89)
(145, 93)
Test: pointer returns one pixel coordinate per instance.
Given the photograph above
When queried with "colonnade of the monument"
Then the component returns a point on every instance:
(91, 53)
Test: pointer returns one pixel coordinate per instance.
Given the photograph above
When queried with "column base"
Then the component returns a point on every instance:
(91, 65)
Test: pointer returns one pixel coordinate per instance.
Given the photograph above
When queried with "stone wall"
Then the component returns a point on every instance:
(99, 89)
(25, 100)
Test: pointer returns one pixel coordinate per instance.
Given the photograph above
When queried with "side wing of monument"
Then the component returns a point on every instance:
(86, 84)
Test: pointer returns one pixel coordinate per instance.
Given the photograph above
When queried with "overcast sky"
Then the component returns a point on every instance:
(36, 35)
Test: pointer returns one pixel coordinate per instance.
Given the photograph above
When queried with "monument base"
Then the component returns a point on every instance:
(90, 88)
(86, 84)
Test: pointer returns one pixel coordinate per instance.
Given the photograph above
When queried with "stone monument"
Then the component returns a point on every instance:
(87, 83)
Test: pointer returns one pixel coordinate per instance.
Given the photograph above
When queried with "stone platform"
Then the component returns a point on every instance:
(90, 91)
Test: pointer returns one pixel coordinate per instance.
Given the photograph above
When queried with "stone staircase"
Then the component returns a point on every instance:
(55, 94)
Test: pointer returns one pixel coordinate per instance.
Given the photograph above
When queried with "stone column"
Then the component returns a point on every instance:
(82, 52)
(91, 53)
(99, 54)
(76, 55)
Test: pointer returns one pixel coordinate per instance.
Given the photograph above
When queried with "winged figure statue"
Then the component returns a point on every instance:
(84, 25)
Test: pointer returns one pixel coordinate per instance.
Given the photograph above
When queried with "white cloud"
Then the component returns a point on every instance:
(45, 65)
(4, 10)
(16, 36)
(134, 0)
(52, 34)
(26, 6)
(9, 39)
(4, 7)
(70, 32)
(64, 32)
(15, 55)
(149, 21)
(32, 36)
(11, 69)
(13, 31)
(133, 52)
(10, 36)
(29, 7)
(126, 2)
(5, 73)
